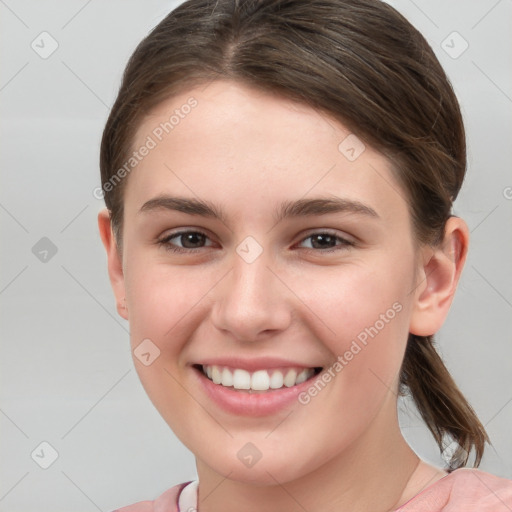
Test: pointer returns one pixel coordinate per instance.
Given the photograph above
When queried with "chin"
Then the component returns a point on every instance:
(261, 474)
(269, 470)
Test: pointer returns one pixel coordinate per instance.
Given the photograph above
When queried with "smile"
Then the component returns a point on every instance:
(260, 380)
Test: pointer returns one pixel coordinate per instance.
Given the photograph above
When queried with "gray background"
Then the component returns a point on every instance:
(66, 372)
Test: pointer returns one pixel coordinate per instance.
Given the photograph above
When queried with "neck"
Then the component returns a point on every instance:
(377, 472)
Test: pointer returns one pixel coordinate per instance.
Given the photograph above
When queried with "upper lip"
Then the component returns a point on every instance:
(255, 363)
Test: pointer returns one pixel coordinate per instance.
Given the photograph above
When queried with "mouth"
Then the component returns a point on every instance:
(259, 381)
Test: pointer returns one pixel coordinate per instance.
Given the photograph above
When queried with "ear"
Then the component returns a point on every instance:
(115, 265)
(438, 277)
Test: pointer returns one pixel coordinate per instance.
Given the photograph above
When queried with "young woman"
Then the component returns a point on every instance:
(279, 177)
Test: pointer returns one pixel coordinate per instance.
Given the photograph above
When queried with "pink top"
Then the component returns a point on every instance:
(463, 490)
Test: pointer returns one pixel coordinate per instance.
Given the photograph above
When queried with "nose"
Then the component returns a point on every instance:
(251, 303)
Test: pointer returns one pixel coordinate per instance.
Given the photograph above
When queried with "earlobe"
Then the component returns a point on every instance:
(115, 266)
(438, 279)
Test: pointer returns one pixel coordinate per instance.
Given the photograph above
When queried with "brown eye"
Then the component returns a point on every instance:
(185, 241)
(327, 242)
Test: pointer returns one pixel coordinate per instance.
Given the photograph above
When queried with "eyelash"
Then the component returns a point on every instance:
(165, 242)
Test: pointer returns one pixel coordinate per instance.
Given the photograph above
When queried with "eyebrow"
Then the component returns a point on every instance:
(287, 209)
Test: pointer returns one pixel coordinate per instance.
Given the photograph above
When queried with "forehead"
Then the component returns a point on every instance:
(238, 145)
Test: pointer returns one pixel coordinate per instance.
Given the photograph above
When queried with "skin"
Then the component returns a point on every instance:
(247, 151)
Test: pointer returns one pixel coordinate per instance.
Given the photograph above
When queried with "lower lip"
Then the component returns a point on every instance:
(252, 404)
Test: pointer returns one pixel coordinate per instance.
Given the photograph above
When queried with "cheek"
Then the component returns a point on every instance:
(367, 312)
(160, 299)
(166, 306)
(358, 302)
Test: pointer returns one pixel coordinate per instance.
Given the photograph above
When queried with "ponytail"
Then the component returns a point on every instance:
(440, 402)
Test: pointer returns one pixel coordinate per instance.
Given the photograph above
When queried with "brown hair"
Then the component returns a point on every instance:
(359, 61)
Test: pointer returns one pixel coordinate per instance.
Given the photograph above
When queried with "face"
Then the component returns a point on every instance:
(259, 244)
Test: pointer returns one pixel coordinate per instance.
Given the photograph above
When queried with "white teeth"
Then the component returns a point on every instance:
(260, 380)
(227, 378)
(276, 381)
(289, 380)
(216, 375)
(303, 375)
(241, 379)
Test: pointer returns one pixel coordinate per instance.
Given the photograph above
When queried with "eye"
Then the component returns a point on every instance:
(326, 242)
(189, 241)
